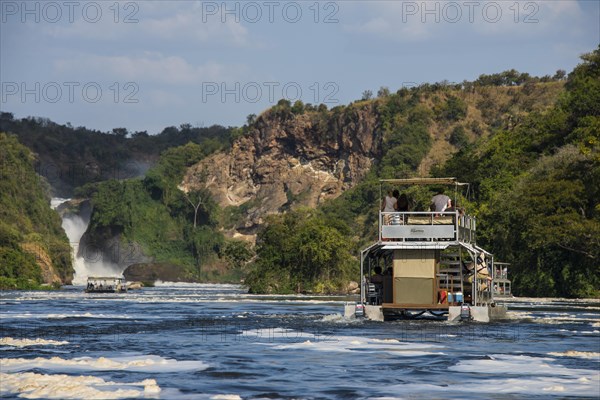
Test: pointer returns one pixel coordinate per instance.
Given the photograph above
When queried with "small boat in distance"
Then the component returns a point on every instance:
(105, 284)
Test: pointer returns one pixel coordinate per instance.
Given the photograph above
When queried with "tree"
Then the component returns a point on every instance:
(383, 91)
(284, 103)
(298, 107)
(237, 253)
(458, 137)
(196, 199)
(560, 75)
(301, 251)
(455, 109)
(139, 134)
(120, 132)
(6, 116)
(367, 95)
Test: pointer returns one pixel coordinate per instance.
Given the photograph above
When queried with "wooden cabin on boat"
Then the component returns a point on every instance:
(431, 264)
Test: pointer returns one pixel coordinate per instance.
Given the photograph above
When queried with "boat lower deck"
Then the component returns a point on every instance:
(394, 306)
(464, 312)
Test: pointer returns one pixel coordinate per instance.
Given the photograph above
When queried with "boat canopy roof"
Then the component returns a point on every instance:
(105, 278)
(424, 181)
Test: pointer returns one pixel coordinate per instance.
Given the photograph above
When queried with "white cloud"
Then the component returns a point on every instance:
(149, 67)
(387, 19)
(529, 18)
(161, 98)
(189, 25)
(413, 21)
(176, 21)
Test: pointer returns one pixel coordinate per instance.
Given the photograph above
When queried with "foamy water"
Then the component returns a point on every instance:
(201, 341)
(131, 363)
(44, 386)
(8, 341)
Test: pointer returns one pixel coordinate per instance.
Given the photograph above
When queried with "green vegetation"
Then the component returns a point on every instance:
(172, 227)
(301, 251)
(537, 191)
(411, 121)
(31, 236)
(70, 157)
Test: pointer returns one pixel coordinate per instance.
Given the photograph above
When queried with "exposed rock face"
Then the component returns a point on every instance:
(49, 274)
(289, 160)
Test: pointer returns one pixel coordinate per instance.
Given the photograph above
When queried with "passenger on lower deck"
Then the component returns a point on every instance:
(375, 287)
(483, 272)
(377, 278)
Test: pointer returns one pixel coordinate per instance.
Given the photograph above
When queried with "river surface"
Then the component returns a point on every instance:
(193, 341)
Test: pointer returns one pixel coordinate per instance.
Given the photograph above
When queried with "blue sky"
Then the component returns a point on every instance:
(145, 65)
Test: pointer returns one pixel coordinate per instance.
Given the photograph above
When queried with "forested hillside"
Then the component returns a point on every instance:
(533, 162)
(152, 223)
(33, 247)
(537, 191)
(70, 157)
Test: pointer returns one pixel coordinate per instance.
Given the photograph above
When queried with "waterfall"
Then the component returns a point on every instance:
(75, 226)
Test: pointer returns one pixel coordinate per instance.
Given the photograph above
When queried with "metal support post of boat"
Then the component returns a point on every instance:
(465, 312)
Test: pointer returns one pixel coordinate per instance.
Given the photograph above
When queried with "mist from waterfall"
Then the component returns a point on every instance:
(88, 262)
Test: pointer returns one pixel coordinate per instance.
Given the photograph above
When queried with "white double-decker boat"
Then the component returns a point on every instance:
(433, 266)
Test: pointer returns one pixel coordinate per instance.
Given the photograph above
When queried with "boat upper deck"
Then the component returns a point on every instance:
(427, 226)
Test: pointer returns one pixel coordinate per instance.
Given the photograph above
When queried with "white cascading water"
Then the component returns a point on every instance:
(75, 227)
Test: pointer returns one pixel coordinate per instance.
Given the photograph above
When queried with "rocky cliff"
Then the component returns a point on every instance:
(292, 157)
(286, 160)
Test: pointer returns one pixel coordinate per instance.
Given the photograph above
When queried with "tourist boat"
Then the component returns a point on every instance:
(102, 284)
(433, 266)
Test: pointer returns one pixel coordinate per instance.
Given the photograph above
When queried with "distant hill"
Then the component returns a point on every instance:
(296, 155)
(70, 157)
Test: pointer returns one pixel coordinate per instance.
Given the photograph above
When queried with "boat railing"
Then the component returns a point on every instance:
(501, 283)
(466, 228)
(426, 225)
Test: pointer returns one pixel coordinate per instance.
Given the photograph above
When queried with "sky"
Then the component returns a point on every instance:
(146, 65)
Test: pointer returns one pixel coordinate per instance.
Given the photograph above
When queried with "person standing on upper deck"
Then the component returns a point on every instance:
(440, 202)
(389, 203)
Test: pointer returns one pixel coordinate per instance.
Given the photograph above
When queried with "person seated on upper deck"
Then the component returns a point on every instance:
(402, 203)
(378, 277)
(440, 202)
(456, 207)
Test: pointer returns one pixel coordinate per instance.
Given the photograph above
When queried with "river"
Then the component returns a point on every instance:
(203, 341)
